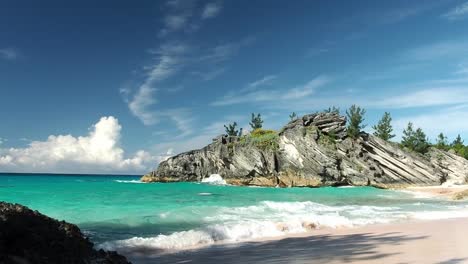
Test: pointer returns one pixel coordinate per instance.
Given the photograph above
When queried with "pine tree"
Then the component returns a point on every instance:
(384, 128)
(458, 146)
(256, 122)
(408, 139)
(422, 143)
(333, 110)
(415, 140)
(293, 116)
(441, 142)
(355, 118)
(231, 130)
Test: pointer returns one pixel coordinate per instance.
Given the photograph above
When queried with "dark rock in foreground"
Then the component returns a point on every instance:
(29, 237)
(313, 151)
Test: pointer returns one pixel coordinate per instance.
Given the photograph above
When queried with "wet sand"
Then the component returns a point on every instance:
(438, 241)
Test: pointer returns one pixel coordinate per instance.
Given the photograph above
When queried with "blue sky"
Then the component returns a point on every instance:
(115, 87)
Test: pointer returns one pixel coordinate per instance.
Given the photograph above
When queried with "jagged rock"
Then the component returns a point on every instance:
(314, 151)
(27, 236)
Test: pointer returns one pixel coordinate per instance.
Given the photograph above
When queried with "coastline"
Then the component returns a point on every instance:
(423, 241)
(451, 192)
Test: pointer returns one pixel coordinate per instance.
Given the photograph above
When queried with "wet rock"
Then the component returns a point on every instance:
(29, 237)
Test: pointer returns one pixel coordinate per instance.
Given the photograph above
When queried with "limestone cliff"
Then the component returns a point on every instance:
(309, 152)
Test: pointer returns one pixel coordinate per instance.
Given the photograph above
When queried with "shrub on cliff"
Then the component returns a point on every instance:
(263, 139)
(355, 116)
(459, 148)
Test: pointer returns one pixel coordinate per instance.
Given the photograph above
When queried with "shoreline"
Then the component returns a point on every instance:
(420, 241)
(450, 192)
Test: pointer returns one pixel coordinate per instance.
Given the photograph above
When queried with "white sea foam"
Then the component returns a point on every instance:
(274, 219)
(215, 179)
(129, 181)
(418, 195)
(205, 194)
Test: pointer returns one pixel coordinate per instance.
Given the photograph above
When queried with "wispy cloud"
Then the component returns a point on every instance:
(225, 51)
(446, 120)
(210, 75)
(399, 14)
(211, 10)
(267, 80)
(141, 103)
(444, 49)
(266, 95)
(9, 54)
(426, 97)
(457, 13)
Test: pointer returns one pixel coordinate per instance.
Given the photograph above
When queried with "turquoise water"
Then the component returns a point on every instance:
(119, 212)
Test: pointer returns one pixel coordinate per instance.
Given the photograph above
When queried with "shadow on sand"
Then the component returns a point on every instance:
(314, 249)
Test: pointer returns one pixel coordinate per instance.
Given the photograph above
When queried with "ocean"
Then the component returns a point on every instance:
(121, 213)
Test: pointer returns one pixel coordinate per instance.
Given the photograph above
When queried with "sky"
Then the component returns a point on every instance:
(115, 87)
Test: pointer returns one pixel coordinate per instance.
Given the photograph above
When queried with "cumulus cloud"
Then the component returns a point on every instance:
(459, 12)
(211, 10)
(97, 152)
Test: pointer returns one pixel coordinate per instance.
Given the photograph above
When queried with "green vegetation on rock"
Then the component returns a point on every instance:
(355, 116)
(256, 121)
(264, 139)
(384, 128)
(415, 140)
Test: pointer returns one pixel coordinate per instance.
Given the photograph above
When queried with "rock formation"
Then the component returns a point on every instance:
(313, 151)
(28, 237)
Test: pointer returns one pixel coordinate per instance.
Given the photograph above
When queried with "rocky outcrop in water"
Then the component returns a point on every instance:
(29, 237)
(313, 151)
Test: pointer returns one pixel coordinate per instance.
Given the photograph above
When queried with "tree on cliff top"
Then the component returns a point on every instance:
(293, 116)
(256, 122)
(459, 147)
(232, 131)
(441, 142)
(384, 128)
(355, 116)
(333, 110)
(415, 140)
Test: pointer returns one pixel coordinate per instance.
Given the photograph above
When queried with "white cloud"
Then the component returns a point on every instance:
(141, 103)
(175, 22)
(225, 51)
(170, 59)
(267, 80)
(459, 12)
(425, 97)
(210, 75)
(97, 152)
(444, 49)
(447, 120)
(9, 54)
(211, 10)
(266, 95)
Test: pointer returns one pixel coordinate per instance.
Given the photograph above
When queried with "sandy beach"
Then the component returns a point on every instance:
(453, 192)
(440, 241)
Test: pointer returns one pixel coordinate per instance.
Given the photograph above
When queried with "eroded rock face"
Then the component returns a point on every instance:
(314, 151)
(28, 236)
